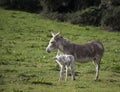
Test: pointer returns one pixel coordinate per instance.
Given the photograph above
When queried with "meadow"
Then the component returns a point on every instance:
(26, 67)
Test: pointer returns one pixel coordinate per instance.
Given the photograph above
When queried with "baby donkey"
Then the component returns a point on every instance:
(65, 61)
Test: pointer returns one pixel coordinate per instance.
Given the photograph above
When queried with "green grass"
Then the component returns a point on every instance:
(26, 67)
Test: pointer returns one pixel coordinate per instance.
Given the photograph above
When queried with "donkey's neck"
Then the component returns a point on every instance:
(64, 46)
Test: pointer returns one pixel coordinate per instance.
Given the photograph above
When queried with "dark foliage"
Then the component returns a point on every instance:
(83, 4)
(55, 16)
(26, 5)
(115, 2)
(89, 16)
(111, 18)
(68, 5)
(54, 5)
(61, 6)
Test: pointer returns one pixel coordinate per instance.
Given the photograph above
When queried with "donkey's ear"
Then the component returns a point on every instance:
(58, 34)
(52, 34)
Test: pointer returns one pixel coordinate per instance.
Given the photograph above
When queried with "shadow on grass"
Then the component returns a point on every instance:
(107, 80)
(42, 82)
(56, 68)
(83, 86)
(77, 73)
(112, 80)
(91, 72)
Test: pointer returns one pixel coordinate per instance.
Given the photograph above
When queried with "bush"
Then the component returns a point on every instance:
(26, 5)
(111, 2)
(54, 5)
(77, 5)
(89, 16)
(74, 18)
(111, 19)
(55, 16)
(61, 6)
(115, 2)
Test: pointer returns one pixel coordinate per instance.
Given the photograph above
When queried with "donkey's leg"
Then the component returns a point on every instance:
(97, 65)
(61, 73)
(73, 74)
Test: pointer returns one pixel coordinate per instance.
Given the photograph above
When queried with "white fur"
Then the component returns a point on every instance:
(65, 61)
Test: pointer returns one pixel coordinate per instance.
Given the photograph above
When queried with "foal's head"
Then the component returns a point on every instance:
(54, 42)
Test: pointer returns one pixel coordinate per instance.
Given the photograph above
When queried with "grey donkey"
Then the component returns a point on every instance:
(83, 53)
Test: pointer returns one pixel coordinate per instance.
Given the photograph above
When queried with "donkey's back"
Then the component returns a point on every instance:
(87, 52)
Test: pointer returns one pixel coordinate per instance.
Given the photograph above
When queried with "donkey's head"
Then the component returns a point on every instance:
(54, 42)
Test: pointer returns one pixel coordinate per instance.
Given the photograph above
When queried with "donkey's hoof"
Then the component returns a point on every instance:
(73, 79)
(95, 79)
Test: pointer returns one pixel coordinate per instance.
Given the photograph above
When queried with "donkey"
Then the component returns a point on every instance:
(65, 61)
(82, 52)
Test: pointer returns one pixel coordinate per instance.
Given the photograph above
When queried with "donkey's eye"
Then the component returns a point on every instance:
(61, 37)
(52, 42)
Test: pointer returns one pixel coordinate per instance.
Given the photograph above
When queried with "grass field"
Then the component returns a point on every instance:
(26, 67)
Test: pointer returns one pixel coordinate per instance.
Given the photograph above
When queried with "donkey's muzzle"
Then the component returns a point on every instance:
(47, 50)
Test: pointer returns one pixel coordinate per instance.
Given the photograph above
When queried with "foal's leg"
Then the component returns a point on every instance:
(97, 65)
(61, 73)
(72, 73)
(67, 69)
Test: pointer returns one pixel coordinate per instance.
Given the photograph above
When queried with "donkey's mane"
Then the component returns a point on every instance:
(64, 40)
